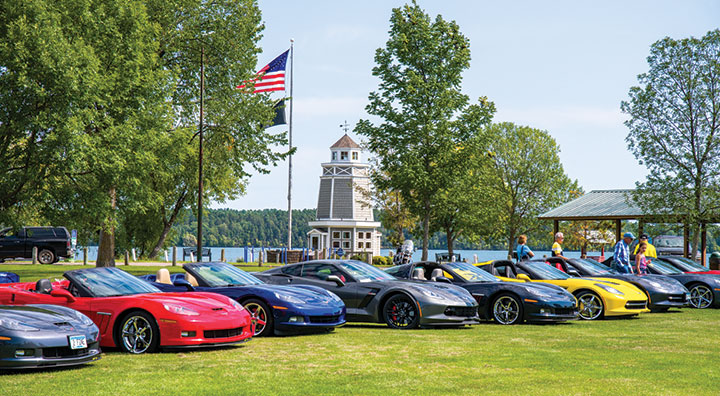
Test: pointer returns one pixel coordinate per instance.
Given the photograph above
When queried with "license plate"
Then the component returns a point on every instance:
(78, 342)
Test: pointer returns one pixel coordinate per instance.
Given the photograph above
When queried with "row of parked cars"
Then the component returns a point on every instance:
(66, 322)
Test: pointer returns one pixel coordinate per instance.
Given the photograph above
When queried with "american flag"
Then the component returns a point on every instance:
(270, 77)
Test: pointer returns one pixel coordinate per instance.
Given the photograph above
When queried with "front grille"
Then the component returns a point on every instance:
(324, 319)
(565, 311)
(677, 297)
(224, 333)
(635, 305)
(461, 311)
(66, 352)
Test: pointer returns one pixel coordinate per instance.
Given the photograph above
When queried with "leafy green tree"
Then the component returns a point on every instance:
(424, 116)
(675, 130)
(528, 178)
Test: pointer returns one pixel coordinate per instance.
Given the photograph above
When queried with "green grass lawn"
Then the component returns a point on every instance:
(674, 353)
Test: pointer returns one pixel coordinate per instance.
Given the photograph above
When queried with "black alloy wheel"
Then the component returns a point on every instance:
(400, 312)
(507, 310)
(138, 333)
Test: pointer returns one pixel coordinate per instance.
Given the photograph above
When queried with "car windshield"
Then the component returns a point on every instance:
(363, 272)
(669, 241)
(545, 271)
(222, 274)
(591, 267)
(109, 282)
(686, 264)
(662, 267)
(471, 273)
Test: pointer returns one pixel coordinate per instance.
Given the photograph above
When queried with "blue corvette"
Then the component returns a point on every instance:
(275, 309)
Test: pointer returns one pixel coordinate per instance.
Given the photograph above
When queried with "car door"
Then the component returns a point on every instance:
(316, 274)
(12, 244)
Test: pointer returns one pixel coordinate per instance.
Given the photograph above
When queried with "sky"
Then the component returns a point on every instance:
(560, 66)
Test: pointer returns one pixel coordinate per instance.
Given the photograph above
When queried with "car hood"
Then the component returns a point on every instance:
(448, 292)
(42, 317)
(545, 288)
(200, 302)
(629, 291)
(308, 296)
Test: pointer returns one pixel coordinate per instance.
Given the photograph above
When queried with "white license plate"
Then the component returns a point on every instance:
(78, 342)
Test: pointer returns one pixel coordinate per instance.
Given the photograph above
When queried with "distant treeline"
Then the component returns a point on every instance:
(268, 227)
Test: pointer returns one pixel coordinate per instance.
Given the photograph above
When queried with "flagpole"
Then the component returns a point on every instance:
(292, 99)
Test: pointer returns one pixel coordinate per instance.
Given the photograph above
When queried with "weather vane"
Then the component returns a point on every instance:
(345, 127)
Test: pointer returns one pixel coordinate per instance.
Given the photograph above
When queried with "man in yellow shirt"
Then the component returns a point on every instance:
(650, 250)
(556, 248)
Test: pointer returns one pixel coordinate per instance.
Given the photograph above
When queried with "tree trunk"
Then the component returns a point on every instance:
(106, 247)
(426, 232)
(167, 226)
(450, 242)
(695, 243)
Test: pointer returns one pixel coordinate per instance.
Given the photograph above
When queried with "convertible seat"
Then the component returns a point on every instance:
(43, 286)
(435, 273)
(509, 272)
(495, 271)
(419, 273)
(163, 276)
(191, 279)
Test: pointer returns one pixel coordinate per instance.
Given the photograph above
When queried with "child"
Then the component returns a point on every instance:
(640, 260)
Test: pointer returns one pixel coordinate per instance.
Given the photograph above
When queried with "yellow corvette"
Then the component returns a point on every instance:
(596, 297)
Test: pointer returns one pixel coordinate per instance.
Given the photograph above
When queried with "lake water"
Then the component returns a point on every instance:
(236, 254)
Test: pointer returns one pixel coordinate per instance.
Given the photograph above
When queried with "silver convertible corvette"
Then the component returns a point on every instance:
(371, 295)
(35, 336)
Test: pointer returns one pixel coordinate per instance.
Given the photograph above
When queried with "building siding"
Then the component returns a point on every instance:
(323, 207)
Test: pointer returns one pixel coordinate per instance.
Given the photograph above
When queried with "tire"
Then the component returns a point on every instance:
(46, 256)
(262, 318)
(400, 312)
(138, 333)
(507, 310)
(701, 296)
(590, 305)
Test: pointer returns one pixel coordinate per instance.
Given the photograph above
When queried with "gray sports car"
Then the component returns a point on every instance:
(34, 336)
(371, 295)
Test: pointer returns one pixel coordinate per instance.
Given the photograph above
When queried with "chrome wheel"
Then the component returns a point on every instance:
(401, 313)
(45, 256)
(506, 310)
(701, 296)
(258, 316)
(137, 334)
(590, 306)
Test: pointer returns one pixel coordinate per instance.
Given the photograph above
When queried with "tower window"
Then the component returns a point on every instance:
(354, 155)
(368, 235)
(343, 156)
(336, 234)
(360, 245)
(346, 234)
(368, 245)
(360, 235)
(334, 155)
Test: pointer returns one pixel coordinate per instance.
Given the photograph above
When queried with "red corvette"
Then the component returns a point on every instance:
(136, 316)
(689, 266)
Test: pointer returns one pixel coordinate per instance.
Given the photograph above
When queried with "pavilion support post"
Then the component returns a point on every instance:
(641, 226)
(686, 237)
(618, 230)
(703, 244)
(556, 228)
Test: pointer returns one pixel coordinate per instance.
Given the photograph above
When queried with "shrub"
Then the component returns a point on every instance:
(381, 260)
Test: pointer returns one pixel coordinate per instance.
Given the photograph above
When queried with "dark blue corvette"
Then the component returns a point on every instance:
(275, 309)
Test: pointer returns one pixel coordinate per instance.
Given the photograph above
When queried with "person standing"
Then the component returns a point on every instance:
(557, 250)
(640, 260)
(649, 249)
(621, 255)
(523, 251)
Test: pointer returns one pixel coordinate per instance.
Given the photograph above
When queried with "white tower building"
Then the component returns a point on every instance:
(344, 214)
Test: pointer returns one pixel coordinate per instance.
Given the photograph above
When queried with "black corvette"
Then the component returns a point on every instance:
(704, 289)
(663, 292)
(504, 302)
(371, 295)
(33, 336)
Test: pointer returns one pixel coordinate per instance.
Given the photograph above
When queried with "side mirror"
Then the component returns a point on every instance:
(523, 277)
(63, 293)
(183, 282)
(334, 278)
(443, 279)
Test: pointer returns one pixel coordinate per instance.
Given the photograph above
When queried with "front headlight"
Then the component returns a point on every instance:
(180, 310)
(289, 298)
(431, 293)
(11, 324)
(609, 289)
(334, 297)
(540, 293)
(237, 305)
